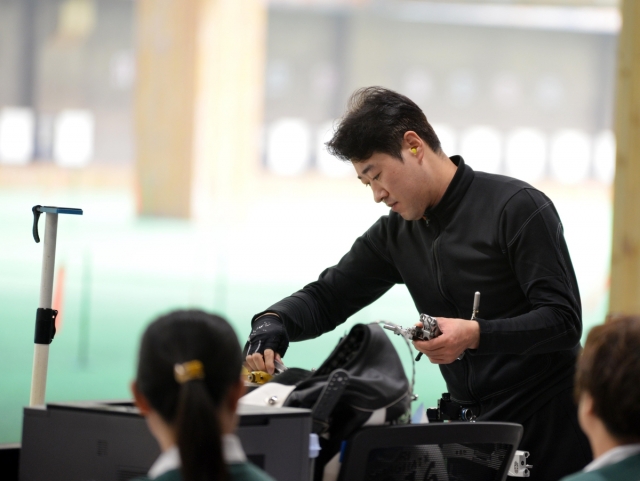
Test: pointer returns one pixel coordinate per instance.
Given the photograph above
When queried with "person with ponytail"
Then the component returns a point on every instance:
(187, 387)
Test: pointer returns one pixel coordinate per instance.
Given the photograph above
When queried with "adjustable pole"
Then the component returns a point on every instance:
(45, 316)
(41, 351)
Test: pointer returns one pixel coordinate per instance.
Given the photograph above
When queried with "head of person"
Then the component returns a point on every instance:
(393, 149)
(187, 386)
(608, 382)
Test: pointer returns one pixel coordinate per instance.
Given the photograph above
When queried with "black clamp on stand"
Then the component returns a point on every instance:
(449, 410)
(45, 325)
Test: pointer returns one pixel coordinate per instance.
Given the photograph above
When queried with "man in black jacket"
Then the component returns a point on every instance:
(452, 232)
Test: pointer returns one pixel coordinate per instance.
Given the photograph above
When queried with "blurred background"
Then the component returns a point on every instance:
(191, 134)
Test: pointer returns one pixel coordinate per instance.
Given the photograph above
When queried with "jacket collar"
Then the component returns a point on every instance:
(444, 210)
(169, 460)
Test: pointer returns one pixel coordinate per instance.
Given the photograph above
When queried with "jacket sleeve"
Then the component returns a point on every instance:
(531, 235)
(363, 275)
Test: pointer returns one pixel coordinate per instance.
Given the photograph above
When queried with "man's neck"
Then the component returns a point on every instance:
(444, 171)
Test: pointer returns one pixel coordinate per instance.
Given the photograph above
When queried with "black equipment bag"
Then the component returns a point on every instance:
(362, 375)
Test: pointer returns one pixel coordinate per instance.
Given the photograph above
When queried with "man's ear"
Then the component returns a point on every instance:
(141, 402)
(412, 142)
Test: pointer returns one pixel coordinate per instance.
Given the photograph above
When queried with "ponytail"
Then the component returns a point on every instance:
(198, 435)
(187, 364)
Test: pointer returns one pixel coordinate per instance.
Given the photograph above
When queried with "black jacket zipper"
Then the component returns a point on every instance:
(465, 359)
(438, 276)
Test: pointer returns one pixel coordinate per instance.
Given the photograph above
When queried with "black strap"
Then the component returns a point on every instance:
(328, 399)
(45, 325)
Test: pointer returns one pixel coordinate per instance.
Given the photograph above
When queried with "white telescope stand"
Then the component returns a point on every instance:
(45, 317)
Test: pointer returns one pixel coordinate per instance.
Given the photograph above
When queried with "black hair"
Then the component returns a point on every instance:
(375, 122)
(191, 407)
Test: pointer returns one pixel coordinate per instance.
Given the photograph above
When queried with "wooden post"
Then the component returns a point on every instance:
(165, 102)
(198, 103)
(625, 258)
(231, 56)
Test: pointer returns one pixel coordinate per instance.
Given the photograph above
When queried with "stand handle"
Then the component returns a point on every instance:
(39, 209)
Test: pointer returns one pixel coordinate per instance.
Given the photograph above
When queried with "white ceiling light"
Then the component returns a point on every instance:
(481, 148)
(288, 147)
(17, 128)
(570, 156)
(73, 138)
(526, 154)
(604, 156)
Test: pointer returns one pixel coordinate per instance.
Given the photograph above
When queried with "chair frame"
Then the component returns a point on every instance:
(365, 440)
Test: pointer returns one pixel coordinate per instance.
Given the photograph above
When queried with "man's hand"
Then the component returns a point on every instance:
(260, 362)
(268, 341)
(457, 335)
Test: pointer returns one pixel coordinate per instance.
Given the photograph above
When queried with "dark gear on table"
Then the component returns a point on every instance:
(267, 332)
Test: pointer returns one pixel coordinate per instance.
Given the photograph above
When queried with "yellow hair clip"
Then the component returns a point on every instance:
(188, 371)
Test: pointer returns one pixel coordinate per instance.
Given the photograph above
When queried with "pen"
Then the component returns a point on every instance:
(476, 306)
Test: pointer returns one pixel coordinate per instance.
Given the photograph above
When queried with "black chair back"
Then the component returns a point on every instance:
(456, 451)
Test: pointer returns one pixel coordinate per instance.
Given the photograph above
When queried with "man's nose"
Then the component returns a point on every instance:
(379, 194)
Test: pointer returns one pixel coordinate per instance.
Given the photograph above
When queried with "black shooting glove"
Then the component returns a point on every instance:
(267, 332)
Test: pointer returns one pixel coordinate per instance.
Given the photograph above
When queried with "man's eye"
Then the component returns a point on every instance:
(377, 177)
